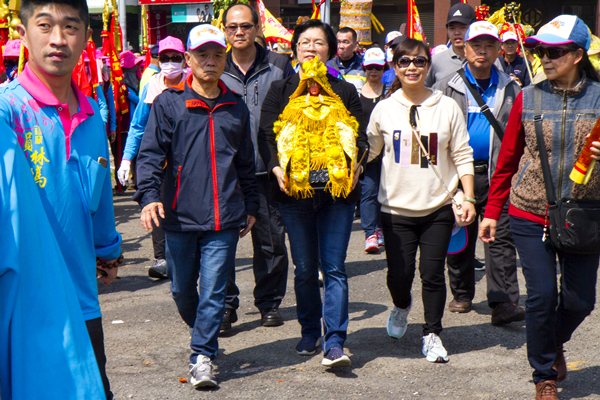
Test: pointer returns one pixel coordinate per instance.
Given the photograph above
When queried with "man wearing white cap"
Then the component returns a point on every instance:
(201, 130)
(498, 91)
(172, 72)
(512, 63)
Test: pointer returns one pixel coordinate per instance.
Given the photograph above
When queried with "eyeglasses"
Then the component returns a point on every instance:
(232, 29)
(552, 53)
(317, 45)
(418, 61)
(163, 58)
(374, 67)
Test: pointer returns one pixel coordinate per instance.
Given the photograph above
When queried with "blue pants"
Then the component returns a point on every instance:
(370, 209)
(212, 256)
(319, 231)
(551, 316)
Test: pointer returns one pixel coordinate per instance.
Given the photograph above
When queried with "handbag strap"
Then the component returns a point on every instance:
(414, 123)
(537, 120)
(482, 104)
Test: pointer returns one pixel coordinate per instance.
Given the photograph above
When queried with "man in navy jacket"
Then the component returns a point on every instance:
(201, 129)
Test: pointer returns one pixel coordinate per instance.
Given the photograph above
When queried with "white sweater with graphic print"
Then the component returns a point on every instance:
(408, 186)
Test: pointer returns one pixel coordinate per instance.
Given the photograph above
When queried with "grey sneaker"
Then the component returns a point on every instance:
(158, 269)
(397, 323)
(201, 373)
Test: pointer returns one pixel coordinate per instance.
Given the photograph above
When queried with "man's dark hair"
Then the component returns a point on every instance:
(252, 10)
(315, 23)
(349, 30)
(28, 8)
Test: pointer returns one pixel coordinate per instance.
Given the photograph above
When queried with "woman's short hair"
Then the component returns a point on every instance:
(315, 23)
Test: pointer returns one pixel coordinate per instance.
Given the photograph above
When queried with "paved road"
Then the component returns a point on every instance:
(148, 344)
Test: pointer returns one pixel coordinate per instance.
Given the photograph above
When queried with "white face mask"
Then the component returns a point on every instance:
(170, 69)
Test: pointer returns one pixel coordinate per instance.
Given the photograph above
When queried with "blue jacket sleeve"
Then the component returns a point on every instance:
(246, 168)
(156, 144)
(102, 105)
(107, 241)
(112, 111)
(289, 70)
(136, 129)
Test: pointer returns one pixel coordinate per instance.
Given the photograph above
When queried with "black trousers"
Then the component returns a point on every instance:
(270, 260)
(94, 327)
(431, 235)
(500, 257)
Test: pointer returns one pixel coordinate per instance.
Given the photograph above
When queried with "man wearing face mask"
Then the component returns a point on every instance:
(172, 72)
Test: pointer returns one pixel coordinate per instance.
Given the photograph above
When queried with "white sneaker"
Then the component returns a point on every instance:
(433, 349)
(397, 323)
(201, 373)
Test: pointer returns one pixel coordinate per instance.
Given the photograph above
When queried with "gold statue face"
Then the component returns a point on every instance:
(314, 88)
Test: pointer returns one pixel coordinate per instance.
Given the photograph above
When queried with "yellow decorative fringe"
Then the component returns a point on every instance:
(314, 133)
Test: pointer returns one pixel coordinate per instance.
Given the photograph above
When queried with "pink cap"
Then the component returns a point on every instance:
(171, 43)
(99, 55)
(127, 59)
(12, 48)
(140, 59)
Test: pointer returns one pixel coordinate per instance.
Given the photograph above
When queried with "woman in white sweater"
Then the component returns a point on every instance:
(416, 210)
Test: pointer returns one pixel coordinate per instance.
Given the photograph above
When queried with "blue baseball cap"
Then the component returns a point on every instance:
(563, 29)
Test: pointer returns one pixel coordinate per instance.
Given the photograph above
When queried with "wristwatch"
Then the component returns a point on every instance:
(470, 200)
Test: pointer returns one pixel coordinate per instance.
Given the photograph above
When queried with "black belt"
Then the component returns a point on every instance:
(481, 167)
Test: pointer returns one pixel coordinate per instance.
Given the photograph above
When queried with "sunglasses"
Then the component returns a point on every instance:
(552, 53)
(232, 29)
(374, 67)
(418, 61)
(165, 59)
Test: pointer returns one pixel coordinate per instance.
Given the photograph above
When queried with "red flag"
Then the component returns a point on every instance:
(80, 77)
(116, 73)
(464, 1)
(414, 28)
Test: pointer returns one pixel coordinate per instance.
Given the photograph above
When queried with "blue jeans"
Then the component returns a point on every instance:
(319, 231)
(551, 316)
(370, 209)
(212, 256)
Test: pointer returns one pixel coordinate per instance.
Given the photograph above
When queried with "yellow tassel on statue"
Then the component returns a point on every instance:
(315, 132)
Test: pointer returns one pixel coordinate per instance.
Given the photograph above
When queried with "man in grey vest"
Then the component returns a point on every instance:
(249, 71)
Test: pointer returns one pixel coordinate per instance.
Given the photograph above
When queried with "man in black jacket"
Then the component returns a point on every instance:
(201, 129)
(249, 70)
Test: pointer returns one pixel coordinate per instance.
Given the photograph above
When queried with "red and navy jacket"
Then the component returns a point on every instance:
(210, 182)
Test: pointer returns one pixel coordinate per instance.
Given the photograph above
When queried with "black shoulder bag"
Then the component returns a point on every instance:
(572, 224)
(482, 105)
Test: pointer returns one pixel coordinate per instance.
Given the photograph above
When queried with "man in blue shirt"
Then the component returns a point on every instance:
(64, 141)
(498, 91)
(512, 63)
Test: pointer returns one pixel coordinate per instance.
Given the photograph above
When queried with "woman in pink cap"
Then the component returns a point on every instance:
(11, 59)
(172, 63)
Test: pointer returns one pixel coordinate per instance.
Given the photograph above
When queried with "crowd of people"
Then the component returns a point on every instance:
(225, 137)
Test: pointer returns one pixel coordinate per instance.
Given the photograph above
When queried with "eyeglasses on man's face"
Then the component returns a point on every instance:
(232, 29)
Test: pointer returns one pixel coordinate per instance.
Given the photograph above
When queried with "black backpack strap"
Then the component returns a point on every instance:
(537, 120)
(482, 105)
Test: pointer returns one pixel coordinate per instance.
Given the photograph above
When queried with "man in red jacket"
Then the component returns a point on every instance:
(202, 130)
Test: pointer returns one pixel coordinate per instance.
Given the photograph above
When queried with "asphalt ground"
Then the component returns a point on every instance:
(147, 343)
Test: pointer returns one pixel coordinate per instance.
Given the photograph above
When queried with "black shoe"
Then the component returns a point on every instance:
(229, 318)
(271, 317)
(478, 265)
(505, 313)
(158, 270)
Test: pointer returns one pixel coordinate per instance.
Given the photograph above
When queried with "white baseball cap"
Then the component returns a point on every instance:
(389, 55)
(374, 56)
(205, 33)
(481, 28)
(563, 29)
(391, 36)
(506, 36)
